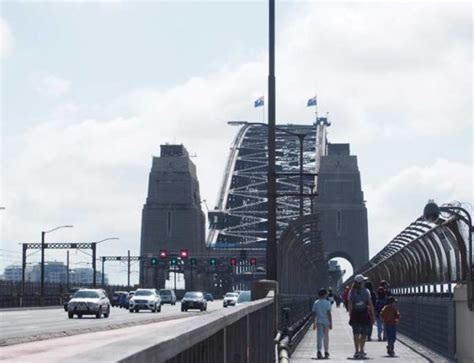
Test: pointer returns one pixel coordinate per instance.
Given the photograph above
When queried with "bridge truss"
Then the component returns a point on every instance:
(240, 217)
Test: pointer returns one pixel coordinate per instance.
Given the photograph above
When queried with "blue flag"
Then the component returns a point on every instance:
(259, 102)
(312, 102)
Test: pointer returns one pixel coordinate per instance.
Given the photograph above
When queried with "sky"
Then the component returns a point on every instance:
(89, 90)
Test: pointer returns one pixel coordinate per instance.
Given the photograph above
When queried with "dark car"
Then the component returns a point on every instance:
(208, 296)
(115, 301)
(193, 300)
(125, 298)
(68, 296)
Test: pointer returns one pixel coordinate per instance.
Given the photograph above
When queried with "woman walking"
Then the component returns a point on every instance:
(361, 312)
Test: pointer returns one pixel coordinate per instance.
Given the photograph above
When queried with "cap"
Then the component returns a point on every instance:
(322, 292)
(360, 278)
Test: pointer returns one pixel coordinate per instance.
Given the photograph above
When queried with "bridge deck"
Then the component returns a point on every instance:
(341, 347)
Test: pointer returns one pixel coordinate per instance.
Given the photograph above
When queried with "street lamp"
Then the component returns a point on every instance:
(43, 233)
(300, 137)
(94, 256)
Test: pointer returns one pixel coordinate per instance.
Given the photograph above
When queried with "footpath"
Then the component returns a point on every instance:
(341, 346)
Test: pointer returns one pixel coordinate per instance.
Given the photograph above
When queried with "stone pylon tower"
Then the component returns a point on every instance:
(172, 218)
(341, 205)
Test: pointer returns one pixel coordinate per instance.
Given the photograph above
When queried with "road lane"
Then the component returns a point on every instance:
(30, 325)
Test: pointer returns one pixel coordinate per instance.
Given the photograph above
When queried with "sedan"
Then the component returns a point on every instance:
(193, 300)
(230, 299)
(145, 299)
(89, 302)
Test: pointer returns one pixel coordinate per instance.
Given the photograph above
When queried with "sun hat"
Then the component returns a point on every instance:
(360, 278)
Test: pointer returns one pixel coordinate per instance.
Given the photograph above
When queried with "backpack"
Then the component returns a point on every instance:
(360, 299)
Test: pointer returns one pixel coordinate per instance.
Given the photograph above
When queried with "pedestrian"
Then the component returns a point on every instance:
(369, 286)
(345, 297)
(379, 304)
(386, 287)
(330, 296)
(322, 321)
(391, 318)
(361, 312)
(338, 299)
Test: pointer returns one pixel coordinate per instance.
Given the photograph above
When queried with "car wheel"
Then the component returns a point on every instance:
(79, 316)
(99, 314)
(159, 309)
(131, 310)
(201, 308)
(137, 310)
(182, 309)
(70, 315)
(107, 313)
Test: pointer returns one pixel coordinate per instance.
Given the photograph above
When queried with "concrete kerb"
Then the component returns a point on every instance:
(32, 308)
(164, 345)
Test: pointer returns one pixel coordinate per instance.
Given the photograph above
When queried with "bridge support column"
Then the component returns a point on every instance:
(464, 326)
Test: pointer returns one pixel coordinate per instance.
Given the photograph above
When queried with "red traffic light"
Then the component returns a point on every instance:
(253, 261)
(233, 261)
(163, 254)
(184, 254)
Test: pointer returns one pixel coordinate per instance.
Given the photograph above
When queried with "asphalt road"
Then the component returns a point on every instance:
(30, 325)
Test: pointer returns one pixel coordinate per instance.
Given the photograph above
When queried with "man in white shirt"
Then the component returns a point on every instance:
(322, 321)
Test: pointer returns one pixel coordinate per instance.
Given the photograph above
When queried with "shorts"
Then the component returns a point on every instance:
(359, 329)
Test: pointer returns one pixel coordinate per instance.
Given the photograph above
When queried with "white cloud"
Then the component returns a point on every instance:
(398, 201)
(51, 85)
(6, 38)
(386, 74)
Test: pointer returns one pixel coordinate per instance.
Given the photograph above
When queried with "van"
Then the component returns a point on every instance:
(168, 296)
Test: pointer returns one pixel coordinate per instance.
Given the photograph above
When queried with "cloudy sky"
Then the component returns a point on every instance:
(89, 90)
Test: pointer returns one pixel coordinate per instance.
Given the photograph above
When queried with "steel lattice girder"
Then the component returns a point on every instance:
(243, 196)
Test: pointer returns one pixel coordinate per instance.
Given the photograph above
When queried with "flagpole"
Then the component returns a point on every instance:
(316, 107)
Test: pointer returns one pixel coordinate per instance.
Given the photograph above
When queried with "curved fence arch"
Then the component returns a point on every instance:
(427, 256)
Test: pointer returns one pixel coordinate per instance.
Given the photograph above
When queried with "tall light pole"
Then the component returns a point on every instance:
(43, 233)
(271, 250)
(94, 257)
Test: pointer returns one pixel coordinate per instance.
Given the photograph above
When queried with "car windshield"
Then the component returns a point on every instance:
(231, 294)
(144, 293)
(165, 292)
(193, 295)
(87, 294)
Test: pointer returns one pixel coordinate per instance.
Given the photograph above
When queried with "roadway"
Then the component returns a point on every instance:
(22, 326)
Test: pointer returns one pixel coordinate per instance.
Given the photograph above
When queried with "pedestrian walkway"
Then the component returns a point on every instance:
(341, 346)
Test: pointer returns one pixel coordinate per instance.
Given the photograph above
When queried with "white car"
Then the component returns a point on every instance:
(89, 302)
(145, 299)
(230, 299)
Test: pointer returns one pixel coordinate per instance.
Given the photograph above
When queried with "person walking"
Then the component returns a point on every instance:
(322, 321)
(391, 318)
(361, 312)
(379, 304)
(369, 286)
(345, 297)
(330, 296)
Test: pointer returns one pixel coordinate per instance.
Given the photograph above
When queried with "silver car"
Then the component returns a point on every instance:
(230, 299)
(168, 296)
(89, 302)
(145, 299)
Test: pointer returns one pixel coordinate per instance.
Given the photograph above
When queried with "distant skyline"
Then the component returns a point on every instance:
(89, 90)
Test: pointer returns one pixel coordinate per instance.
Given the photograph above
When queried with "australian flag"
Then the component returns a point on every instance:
(312, 102)
(259, 102)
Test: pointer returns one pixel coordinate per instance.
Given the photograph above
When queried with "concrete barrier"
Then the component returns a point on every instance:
(464, 326)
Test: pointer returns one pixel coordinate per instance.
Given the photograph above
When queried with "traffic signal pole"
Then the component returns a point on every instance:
(128, 269)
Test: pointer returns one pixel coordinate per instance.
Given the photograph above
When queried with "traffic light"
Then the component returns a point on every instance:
(153, 261)
(163, 254)
(174, 261)
(193, 261)
(184, 253)
(233, 261)
(253, 261)
(213, 261)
